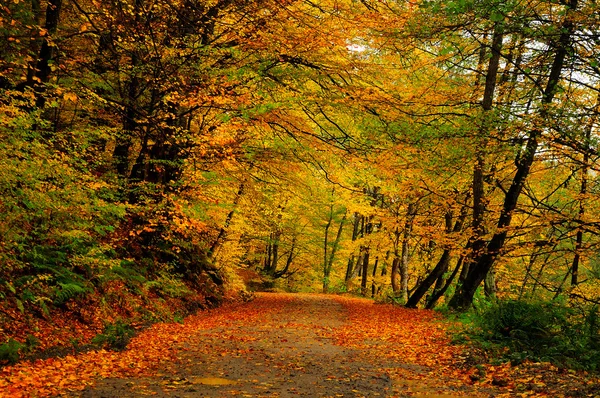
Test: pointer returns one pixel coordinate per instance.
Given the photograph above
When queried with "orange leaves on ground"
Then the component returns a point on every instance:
(71, 373)
(415, 337)
(154, 347)
(419, 341)
(411, 346)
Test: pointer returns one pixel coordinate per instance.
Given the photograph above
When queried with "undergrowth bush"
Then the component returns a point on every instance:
(115, 336)
(538, 331)
(168, 285)
(67, 291)
(10, 351)
(126, 272)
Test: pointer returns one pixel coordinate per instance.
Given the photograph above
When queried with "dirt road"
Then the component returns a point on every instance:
(294, 345)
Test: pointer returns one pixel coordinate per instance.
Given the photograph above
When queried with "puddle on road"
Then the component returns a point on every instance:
(211, 381)
(421, 389)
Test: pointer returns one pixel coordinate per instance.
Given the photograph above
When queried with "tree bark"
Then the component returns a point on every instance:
(351, 265)
(48, 52)
(272, 257)
(274, 253)
(365, 273)
(583, 190)
(325, 244)
(288, 262)
(442, 266)
(489, 286)
(349, 269)
(373, 275)
(477, 242)
(223, 231)
(435, 296)
(395, 275)
(404, 257)
(334, 248)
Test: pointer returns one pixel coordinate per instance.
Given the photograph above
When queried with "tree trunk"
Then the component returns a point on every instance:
(334, 248)
(123, 145)
(351, 265)
(404, 270)
(274, 253)
(528, 273)
(349, 269)
(582, 193)
(395, 275)
(48, 52)
(267, 263)
(325, 257)
(223, 232)
(439, 283)
(373, 275)
(439, 270)
(489, 286)
(410, 215)
(436, 276)
(288, 262)
(476, 242)
(336, 243)
(365, 273)
(435, 296)
(34, 46)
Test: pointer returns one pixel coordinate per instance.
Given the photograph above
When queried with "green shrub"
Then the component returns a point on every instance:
(115, 336)
(539, 331)
(67, 291)
(178, 318)
(126, 273)
(10, 351)
(523, 324)
(31, 343)
(592, 326)
(168, 285)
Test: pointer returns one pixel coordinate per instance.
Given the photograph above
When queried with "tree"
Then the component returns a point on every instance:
(329, 253)
(483, 261)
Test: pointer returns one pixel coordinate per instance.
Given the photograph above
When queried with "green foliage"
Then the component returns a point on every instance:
(168, 285)
(53, 213)
(126, 273)
(31, 342)
(177, 318)
(10, 351)
(526, 325)
(68, 291)
(49, 283)
(115, 336)
(539, 331)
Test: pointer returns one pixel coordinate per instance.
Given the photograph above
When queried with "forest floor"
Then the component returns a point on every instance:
(285, 345)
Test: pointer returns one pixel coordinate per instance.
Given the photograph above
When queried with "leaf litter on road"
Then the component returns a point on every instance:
(279, 345)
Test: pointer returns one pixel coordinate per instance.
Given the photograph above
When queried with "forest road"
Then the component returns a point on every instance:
(278, 345)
